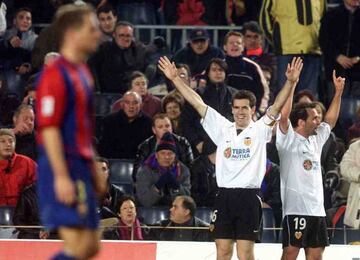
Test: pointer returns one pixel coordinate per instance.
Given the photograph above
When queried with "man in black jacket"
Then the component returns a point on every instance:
(217, 95)
(160, 125)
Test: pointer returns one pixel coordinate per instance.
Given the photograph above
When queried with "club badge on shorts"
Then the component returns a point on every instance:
(307, 164)
(298, 234)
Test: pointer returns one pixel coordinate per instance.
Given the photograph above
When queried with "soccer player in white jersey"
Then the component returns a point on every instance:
(299, 142)
(240, 160)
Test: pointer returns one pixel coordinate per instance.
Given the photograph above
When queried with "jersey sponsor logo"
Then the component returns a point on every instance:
(237, 153)
(47, 105)
(247, 141)
(307, 165)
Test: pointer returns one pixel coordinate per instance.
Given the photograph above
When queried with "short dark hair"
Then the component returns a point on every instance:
(252, 26)
(299, 111)
(304, 93)
(168, 99)
(124, 23)
(137, 74)
(69, 16)
(103, 159)
(188, 203)
(244, 94)
(232, 33)
(220, 62)
(124, 198)
(22, 107)
(106, 8)
(158, 116)
(22, 9)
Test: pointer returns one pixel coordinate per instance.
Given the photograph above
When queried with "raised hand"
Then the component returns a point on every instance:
(294, 69)
(339, 82)
(168, 68)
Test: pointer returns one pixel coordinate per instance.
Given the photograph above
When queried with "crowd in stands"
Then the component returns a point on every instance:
(149, 124)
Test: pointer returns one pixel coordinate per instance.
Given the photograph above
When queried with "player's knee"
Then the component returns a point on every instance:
(224, 252)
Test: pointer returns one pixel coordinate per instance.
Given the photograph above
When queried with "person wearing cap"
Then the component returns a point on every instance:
(162, 177)
(16, 171)
(198, 52)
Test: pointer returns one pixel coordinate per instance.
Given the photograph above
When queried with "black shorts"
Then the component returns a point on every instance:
(237, 214)
(304, 231)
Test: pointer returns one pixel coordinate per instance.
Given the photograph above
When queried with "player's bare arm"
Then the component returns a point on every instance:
(64, 186)
(170, 71)
(292, 74)
(333, 112)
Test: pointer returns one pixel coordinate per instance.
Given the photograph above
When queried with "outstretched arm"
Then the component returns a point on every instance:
(170, 71)
(292, 74)
(333, 112)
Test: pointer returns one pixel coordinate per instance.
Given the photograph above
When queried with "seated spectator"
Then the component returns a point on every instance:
(16, 48)
(242, 72)
(24, 121)
(171, 106)
(350, 170)
(16, 171)
(151, 105)
(182, 214)
(107, 21)
(128, 226)
(203, 179)
(109, 201)
(217, 95)
(124, 130)
(198, 52)
(162, 177)
(161, 125)
(354, 130)
(114, 61)
(27, 214)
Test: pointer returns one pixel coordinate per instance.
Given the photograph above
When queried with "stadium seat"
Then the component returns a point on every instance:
(6, 214)
(268, 221)
(204, 214)
(126, 188)
(121, 171)
(98, 124)
(103, 102)
(152, 215)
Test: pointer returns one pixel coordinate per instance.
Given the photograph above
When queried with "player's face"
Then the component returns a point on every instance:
(199, 46)
(165, 158)
(23, 21)
(173, 110)
(26, 118)
(107, 22)
(216, 74)
(242, 112)
(128, 212)
(312, 122)
(161, 126)
(178, 214)
(7, 146)
(139, 85)
(132, 106)
(87, 37)
(252, 40)
(123, 36)
(234, 46)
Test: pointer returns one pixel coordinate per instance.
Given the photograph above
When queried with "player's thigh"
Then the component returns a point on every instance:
(245, 249)
(290, 253)
(314, 253)
(224, 248)
(79, 239)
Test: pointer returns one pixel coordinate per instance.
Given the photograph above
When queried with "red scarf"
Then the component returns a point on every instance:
(254, 52)
(125, 231)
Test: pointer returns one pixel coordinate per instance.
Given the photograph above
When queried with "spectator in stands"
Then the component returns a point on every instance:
(108, 205)
(151, 105)
(114, 61)
(242, 11)
(354, 130)
(244, 73)
(128, 226)
(182, 214)
(160, 125)
(340, 42)
(254, 49)
(24, 121)
(203, 179)
(3, 9)
(16, 171)
(292, 28)
(162, 177)
(172, 106)
(16, 46)
(107, 21)
(124, 130)
(198, 52)
(217, 95)
(304, 96)
(350, 169)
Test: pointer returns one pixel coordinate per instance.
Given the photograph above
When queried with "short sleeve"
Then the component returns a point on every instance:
(322, 133)
(50, 98)
(284, 141)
